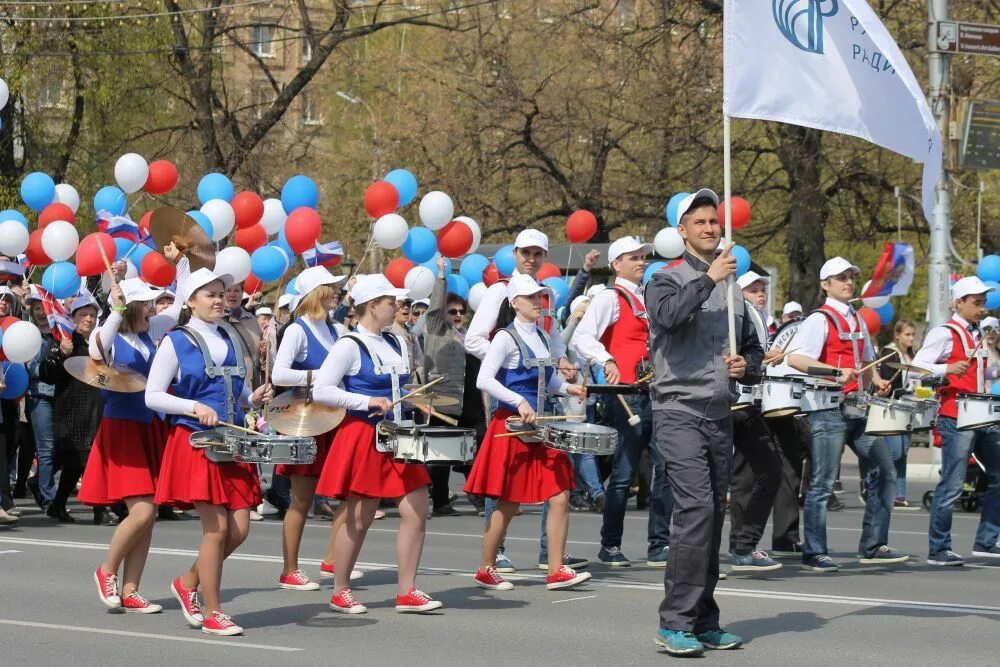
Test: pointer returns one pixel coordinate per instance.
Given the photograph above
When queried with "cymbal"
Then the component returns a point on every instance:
(291, 413)
(169, 224)
(909, 368)
(430, 398)
(112, 378)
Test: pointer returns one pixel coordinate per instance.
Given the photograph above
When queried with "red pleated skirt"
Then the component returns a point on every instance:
(355, 468)
(314, 469)
(124, 461)
(512, 470)
(188, 477)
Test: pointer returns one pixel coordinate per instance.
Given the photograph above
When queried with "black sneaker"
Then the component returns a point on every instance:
(613, 557)
(569, 560)
(983, 551)
(834, 504)
(883, 556)
(578, 504)
(838, 487)
(946, 558)
(598, 505)
(445, 510)
(821, 563)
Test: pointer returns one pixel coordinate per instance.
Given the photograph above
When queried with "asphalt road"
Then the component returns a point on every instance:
(907, 615)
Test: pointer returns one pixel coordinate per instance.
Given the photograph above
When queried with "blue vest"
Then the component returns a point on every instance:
(523, 380)
(368, 383)
(316, 351)
(196, 385)
(130, 406)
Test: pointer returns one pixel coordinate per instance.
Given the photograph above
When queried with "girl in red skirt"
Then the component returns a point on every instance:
(304, 346)
(183, 383)
(509, 469)
(370, 362)
(125, 460)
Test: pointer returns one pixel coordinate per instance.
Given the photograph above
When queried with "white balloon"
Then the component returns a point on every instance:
(873, 301)
(131, 172)
(59, 240)
(476, 294)
(223, 218)
(274, 216)
(436, 210)
(130, 270)
(390, 231)
(420, 281)
(4, 93)
(67, 194)
(668, 243)
(13, 238)
(235, 261)
(21, 342)
(477, 233)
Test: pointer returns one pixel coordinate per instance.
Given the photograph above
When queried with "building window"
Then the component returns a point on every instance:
(50, 94)
(310, 111)
(262, 40)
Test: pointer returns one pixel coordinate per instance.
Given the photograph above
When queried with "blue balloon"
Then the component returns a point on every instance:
(651, 269)
(280, 242)
(203, 221)
(458, 285)
(290, 287)
(110, 199)
(38, 190)
(742, 256)
(405, 184)
(138, 253)
(472, 268)
(15, 376)
(561, 289)
(297, 192)
(995, 389)
(215, 186)
(12, 214)
(989, 268)
(672, 205)
(504, 260)
(886, 313)
(268, 263)
(122, 246)
(420, 246)
(61, 280)
(992, 298)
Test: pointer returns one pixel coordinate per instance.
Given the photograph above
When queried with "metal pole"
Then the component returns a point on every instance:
(727, 189)
(899, 216)
(979, 221)
(939, 80)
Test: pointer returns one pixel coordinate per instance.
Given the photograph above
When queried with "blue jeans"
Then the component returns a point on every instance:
(899, 447)
(830, 431)
(40, 414)
(543, 541)
(955, 449)
(631, 441)
(587, 475)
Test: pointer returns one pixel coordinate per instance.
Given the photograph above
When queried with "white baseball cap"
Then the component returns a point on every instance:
(263, 311)
(969, 285)
(372, 286)
(135, 289)
(791, 307)
(532, 238)
(168, 294)
(685, 204)
(989, 323)
(626, 245)
(749, 278)
(197, 280)
(313, 277)
(6, 291)
(421, 302)
(836, 266)
(285, 301)
(523, 285)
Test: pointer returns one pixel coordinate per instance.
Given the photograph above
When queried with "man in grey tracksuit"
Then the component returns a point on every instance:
(693, 390)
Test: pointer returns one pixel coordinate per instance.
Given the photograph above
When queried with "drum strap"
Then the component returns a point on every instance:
(759, 324)
(214, 370)
(632, 303)
(853, 336)
(541, 363)
(978, 350)
(394, 371)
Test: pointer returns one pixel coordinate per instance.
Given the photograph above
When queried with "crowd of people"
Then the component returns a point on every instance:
(692, 443)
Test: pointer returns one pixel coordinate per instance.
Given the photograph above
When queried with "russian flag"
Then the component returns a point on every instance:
(893, 273)
(58, 317)
(118, 227)
(324, 254)
(11, 271)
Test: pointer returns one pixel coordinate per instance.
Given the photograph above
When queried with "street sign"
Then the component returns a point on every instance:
(981, 139)
(973, 38)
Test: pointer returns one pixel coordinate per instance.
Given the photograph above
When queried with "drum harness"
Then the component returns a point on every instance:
(540, 363)
(979, 352)
(387, 426)
(854, 336)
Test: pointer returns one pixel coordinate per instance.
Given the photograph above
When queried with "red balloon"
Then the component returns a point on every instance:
(581, 226)
(397, 269)
(53, 212)
(454, 239)
(302, 229)
(741, 213)
(491, 275)
(156, 270)
(871, 319)
(252, 284)
(144, 223)
(162, 177)
(89, 261)
(36, 256)
(381, 198)
(548, 270)
(249, 209)
(251, 238)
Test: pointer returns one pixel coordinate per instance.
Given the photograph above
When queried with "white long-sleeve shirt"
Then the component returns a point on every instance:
(503, 353)
(937, 349)
(295, 347)
(345, 359)
(477, 338)
(811, 337)
(166, 370)
(602, 312)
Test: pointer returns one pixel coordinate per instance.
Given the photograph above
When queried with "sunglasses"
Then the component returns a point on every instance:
(457, 311)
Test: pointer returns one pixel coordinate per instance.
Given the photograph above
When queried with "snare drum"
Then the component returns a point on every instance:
(887, 416)
(855, 406)
(782, 396)
(925, 412)
(410, 443)
(977, 410)
(748, 395)
(577, 438)
(224, 445)
(820, 394)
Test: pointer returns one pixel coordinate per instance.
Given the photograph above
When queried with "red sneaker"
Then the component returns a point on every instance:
(189, 603)
(326, 570)
(107, 588)
(565, 577)
(220, 624)
(297, 581)
(488, 577)
(416, 601)
(136, 604)
(346, 603)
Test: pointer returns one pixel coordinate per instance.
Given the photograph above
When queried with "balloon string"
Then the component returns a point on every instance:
(368, 246)
(135, 203)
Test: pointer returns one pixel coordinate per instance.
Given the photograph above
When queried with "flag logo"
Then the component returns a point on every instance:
(801, 21)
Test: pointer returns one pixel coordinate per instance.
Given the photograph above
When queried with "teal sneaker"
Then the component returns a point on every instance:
(678, 642)
(719, 639)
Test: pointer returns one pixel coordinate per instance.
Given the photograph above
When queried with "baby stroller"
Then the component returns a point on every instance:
(972, 489)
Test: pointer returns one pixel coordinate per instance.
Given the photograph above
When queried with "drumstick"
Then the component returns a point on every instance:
(517, 434)
(875, 363)
(633, 419)
(781, 357)
(418, 390)
(976, 349)
(434, 413)
(229, 425)
(558, 417)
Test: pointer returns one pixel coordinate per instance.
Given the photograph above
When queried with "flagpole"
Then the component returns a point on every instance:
(727, 193)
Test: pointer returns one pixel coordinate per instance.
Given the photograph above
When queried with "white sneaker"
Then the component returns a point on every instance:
(256, 516)
(267, 509)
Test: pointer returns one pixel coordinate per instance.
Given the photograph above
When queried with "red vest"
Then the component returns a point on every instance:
(837, 352)
(962, 345)
(627, 339)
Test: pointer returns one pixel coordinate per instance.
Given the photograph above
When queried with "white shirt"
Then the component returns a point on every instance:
(811, 337)
(602, 312)
(477, 338)
(503, 353)
(937, 348)
(345, 359)
(295, 347)
(166, 370)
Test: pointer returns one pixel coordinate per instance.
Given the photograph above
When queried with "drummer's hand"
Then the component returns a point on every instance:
(568, 370)
(527, 412)
(379, 404)
(262, 394)
(206, 415)
(117, 296)
(66, 346)
(845, 375)
(772, 355)
(883, 386)
(958, 368)
(577, 390)
(737, 366)
(611, 373)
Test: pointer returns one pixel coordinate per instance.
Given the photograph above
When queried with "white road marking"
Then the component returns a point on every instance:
(10, 551)
(585, 597)
(231, 643)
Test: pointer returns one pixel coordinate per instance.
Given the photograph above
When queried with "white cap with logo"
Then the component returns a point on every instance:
(134, 289)
(373, 286)
(791, 307)
(749, 278)
(836, 266)
(313, 277)
(968, 286)
(990, 323)
(523, 285)
(199, 279)
(625, 246)
(263, 311)
(685, 204)
(532, 238)
(285, 301)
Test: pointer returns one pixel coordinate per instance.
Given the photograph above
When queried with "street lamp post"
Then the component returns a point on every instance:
(376, 161)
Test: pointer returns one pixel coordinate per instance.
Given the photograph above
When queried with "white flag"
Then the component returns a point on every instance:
(829, 65)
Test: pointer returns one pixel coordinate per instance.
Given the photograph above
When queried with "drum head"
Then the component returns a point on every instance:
(577, 427)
